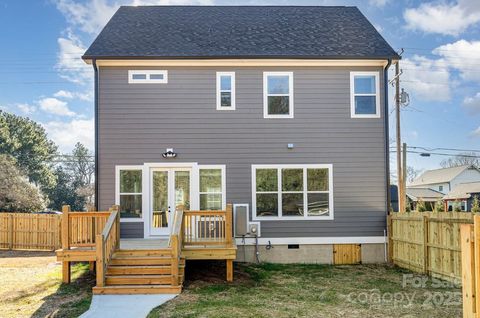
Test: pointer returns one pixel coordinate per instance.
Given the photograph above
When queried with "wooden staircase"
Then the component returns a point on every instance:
(142, 272)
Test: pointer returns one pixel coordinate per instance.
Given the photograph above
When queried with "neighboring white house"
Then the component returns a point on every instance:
(446, 179)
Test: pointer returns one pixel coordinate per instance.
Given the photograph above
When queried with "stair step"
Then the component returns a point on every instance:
(128, 260)
(137, 289)
(159, 252)
(139, 280)
(139, 270)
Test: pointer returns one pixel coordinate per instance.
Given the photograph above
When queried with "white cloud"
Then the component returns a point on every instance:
(92, 15)
(463, 56)
(426, 79)
(476, 132)
(69, 63)
(26, 108)
(443, 18)
(472, 103)
(67, 134)
(86, 96)
(55, 106)
(378, 3)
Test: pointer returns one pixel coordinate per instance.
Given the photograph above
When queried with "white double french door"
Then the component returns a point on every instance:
(169, 188)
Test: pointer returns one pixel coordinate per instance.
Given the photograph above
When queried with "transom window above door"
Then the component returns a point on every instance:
(364, 95)
(292, 192)
(278, 95)
(225, 90)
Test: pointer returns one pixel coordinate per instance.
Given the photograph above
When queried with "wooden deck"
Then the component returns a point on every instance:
(134, 266)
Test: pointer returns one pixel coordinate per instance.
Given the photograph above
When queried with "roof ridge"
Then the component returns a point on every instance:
(235, 6)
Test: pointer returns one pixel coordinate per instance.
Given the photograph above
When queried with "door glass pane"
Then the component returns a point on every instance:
(317, 179)
(131, 181)
(292, 179)
(267, 204)
(130, 205)
(292, 204)
(182, 189)
(160, 213)
(318, 204)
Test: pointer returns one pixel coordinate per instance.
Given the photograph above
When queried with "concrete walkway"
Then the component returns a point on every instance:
(125, 306)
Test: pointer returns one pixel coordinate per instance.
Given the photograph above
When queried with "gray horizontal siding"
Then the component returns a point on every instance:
(137, 122)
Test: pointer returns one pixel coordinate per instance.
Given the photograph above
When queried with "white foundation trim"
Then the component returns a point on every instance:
(312, 240)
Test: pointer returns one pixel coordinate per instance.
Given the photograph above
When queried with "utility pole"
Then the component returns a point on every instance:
(401, 195)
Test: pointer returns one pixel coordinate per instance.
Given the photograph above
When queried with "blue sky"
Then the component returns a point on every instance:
(44, 78)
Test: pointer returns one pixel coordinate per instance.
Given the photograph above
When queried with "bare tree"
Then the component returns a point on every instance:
(412, 173)
(463, 159)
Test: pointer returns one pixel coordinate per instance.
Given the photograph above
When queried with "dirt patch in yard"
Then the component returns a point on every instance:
(274, 290)
(31, 286)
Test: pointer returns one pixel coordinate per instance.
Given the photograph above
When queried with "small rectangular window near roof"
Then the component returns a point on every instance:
(278, 95)
(147, 77)
(225, 90)
(364, 95)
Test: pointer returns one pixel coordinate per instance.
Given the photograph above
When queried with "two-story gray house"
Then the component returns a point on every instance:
(280, 110)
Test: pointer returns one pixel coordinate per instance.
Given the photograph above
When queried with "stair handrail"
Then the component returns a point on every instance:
(106, 244)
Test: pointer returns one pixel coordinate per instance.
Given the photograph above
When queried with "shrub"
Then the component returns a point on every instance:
(475, 205)
(421, 206)
(457, 206)
(439, 206)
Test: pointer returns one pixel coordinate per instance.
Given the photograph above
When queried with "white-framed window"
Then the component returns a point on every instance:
(277, 94)
(440, 188)
(212, 187)
(292, 192)
(225, 90)
(147, 76)
(128, 192)
(364, 95)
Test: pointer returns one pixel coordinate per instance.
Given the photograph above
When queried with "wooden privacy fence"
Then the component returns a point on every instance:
(30, 231)
(428, 242)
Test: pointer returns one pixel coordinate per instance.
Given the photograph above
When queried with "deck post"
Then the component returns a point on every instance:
(229, 270)
(174, 264)
(100, 248)
(65, 243)
(91, 266)
(228, 225)
(117, 221)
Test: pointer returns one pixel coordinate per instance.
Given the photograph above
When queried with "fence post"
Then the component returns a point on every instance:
(468, 270)
(476, 247)
(65, 243)
(390, 238)
(426, 256)
(10, 231)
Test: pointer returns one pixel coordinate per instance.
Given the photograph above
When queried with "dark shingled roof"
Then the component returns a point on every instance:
(240, 32)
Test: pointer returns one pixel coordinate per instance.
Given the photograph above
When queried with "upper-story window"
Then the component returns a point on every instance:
(147, 77)
(225, 90)
(278, 95)
(364, 95)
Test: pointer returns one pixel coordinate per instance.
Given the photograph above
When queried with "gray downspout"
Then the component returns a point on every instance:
(387, 141)
(95, 70)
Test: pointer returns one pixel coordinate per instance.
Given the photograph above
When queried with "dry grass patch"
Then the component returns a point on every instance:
(31, 286)
(273, 290)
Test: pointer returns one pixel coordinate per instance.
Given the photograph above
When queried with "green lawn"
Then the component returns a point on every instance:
(272, 290)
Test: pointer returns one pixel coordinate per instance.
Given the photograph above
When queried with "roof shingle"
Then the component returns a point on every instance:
(241, 32)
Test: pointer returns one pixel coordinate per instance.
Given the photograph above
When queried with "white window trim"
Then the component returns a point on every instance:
(290, 94)
(352, 95)
(148, 73)
(117, 190)
(224, 183)
(305, 191)
(232, 91)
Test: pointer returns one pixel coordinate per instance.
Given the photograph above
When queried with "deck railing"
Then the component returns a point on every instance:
(79, 229)
(106, 244)
(210, 227)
